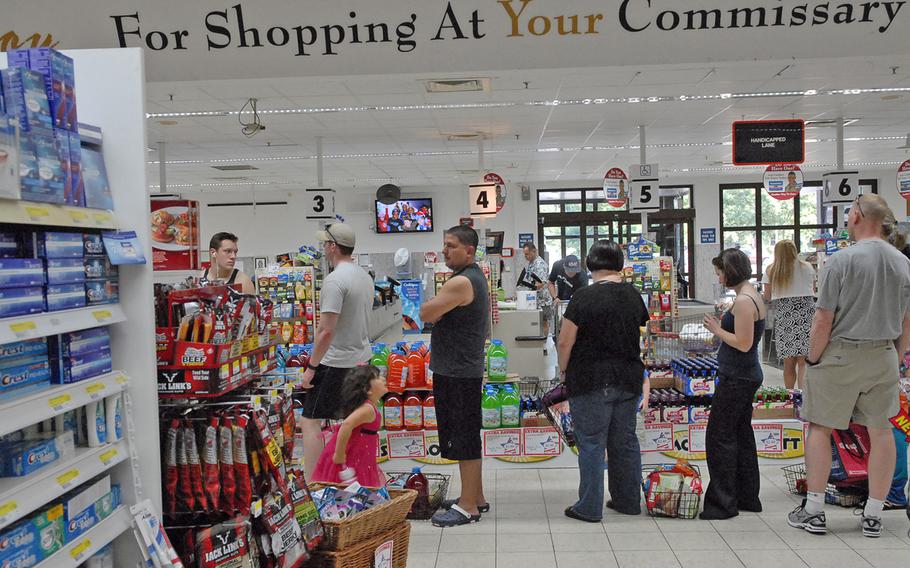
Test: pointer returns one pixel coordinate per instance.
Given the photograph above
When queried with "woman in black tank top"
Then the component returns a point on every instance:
(729, 441)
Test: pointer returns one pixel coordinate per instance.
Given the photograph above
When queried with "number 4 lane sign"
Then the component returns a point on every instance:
(645, 195)
(840, 187)
(482, 200)
(320, 204)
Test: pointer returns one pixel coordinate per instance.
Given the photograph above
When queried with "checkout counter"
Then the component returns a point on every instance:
(386, 312)
(521, 334)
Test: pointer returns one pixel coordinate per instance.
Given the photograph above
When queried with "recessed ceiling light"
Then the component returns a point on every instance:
(891, 97)
(167, 122)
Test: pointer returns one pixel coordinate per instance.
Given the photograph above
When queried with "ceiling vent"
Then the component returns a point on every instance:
(829, 122)
(465, 136)
(237, 168)
(473, 85)
(231, 178)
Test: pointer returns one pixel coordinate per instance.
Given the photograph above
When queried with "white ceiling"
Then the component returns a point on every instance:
(527, 143)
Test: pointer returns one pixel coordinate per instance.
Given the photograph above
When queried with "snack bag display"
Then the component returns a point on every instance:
(226, 545)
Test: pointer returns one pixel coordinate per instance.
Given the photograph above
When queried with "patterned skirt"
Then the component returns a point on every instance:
(792, 324)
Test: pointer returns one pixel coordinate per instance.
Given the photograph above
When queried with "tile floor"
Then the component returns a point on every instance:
(527, 529)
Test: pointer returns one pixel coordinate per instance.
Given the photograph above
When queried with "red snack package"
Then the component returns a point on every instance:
(185, 487)
(226, 447)
(311, 528)
(171, 476)
(280, 536)
(289, 423)
(195, 466)
(226, 546)
(243, 495)
(272, 456)
(210, 466)
(275, 417)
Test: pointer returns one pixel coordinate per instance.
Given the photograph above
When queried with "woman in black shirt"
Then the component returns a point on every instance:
(600, 360)
(729, 441)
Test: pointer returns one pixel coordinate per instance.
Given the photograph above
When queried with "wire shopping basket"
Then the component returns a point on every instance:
(681, 336)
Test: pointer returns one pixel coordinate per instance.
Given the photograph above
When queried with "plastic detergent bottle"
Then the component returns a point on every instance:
(417, 369)
(510, 404)
(491, 410)
(497, 361)
(419, 483)
(429, 413)
(380, 361)
(413, 413)
(422, 347)
(393, 413)
(398, 372)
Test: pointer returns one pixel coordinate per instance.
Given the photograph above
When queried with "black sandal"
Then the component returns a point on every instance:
(447, 504)
(454, 517)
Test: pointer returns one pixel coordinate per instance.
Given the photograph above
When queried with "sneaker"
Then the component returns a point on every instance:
(800, 519)
(872, 527)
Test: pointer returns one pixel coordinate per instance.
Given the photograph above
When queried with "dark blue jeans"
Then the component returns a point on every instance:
(605, 420)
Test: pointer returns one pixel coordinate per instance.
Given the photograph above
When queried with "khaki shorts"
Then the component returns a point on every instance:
(853, 380)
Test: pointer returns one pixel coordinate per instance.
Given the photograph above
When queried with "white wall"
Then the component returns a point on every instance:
(268, 230)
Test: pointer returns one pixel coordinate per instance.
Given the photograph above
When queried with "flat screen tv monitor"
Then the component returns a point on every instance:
(405, 216)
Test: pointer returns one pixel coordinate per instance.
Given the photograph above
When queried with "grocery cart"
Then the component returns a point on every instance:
(677, 337)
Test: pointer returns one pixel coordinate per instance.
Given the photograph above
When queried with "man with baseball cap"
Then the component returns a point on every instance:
(342, 339)
(566, 278)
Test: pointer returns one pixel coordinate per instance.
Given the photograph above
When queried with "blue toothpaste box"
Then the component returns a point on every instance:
(21, 301)
(100, 268)
(29, 182)
(94, 176)
(73, 369)
(22, 372)
(30, 455)
(88, 506)
(65, 270)
(102, 292)
(80, 343)
(20, 272)
(22, 349)
(62, 140)
(26, 98)
(31, 540)
(12, 245)
(94, 243)
(69, 89)
(65, 297)
(58, 245)
(78, 185)
(52, 66)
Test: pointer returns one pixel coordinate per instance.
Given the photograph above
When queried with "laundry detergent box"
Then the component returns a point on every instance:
(26, 98)
(52, 244)
(35, 452)
(102, 292)
(88, 505)
(21, 272)
(65, 270)
(23, 349)
(65, 297)
(21, 301)
(100, 268)
(78, 343)
(72, 369)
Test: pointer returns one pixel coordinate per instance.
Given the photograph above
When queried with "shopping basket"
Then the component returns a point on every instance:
(846, 495)
(344, 533)
(682, 336)
(439, 489)
(679, 501)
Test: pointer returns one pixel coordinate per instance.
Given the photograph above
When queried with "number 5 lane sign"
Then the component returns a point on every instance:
(482, 200)
(320, 204)
(645, 195)
(840, 187)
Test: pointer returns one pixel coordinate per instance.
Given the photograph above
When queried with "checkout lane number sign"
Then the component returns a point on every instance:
(320, 204)
(482, 200)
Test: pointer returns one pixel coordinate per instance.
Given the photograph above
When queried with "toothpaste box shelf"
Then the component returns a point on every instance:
(33, 539)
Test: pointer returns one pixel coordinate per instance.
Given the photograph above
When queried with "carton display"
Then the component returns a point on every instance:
(21, 272)
(65, 297)
(21, 301)
(65, 270)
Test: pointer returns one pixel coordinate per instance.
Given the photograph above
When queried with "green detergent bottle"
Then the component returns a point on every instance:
(497, 362)
(491, 411)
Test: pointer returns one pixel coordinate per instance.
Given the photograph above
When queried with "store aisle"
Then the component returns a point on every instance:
(527, 529)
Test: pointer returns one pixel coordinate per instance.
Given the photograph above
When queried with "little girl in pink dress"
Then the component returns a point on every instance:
(355, 442)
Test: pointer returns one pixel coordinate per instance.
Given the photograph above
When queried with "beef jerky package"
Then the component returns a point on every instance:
(280, 535)
(210, 466)
(226, 546)
(195, 465)
(243, 493)
(305, 512)
(171, 474)
(273, 455)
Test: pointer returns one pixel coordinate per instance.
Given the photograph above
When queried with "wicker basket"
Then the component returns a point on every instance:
(362, 555)
(344, 534)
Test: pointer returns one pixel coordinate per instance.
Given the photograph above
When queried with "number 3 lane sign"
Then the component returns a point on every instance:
(645, 195)
(840, 187)
(320, 204)
(482, 200)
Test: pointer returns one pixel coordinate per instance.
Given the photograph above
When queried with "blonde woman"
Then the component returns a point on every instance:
(790, 282)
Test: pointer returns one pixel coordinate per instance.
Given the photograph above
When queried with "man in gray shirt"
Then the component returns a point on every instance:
(342, 338)
(861, 326)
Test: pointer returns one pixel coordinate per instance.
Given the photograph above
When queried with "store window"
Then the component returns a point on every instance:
(754, 222)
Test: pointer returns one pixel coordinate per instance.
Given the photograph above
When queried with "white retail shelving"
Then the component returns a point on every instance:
(96, 538)
(53, 323)
(37, 407)
(111, 90)
(21, 495)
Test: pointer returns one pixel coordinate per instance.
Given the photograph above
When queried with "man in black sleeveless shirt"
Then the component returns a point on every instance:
(460, 313)
(223, 255)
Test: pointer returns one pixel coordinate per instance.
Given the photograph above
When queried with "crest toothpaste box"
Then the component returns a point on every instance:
(21, 301)
(65, 297)
(21, 272)
(65, 271)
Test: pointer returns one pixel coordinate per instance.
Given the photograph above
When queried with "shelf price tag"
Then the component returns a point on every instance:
(103, 218)
(23, 329)
(79, 550)
(78, 217)
(121, 379)
(6, 509)
(108, 456)
(256, 508)
(58, 403)
(66, 480)
(101, 316)
(95, 390)
(38, 214)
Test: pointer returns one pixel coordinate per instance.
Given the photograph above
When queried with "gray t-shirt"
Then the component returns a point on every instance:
(348, 291)
(867, 286)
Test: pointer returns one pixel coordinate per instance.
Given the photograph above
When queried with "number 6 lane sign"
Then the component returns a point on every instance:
(482, 200)
(840, 187)
(320, 204)
(645, 195)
